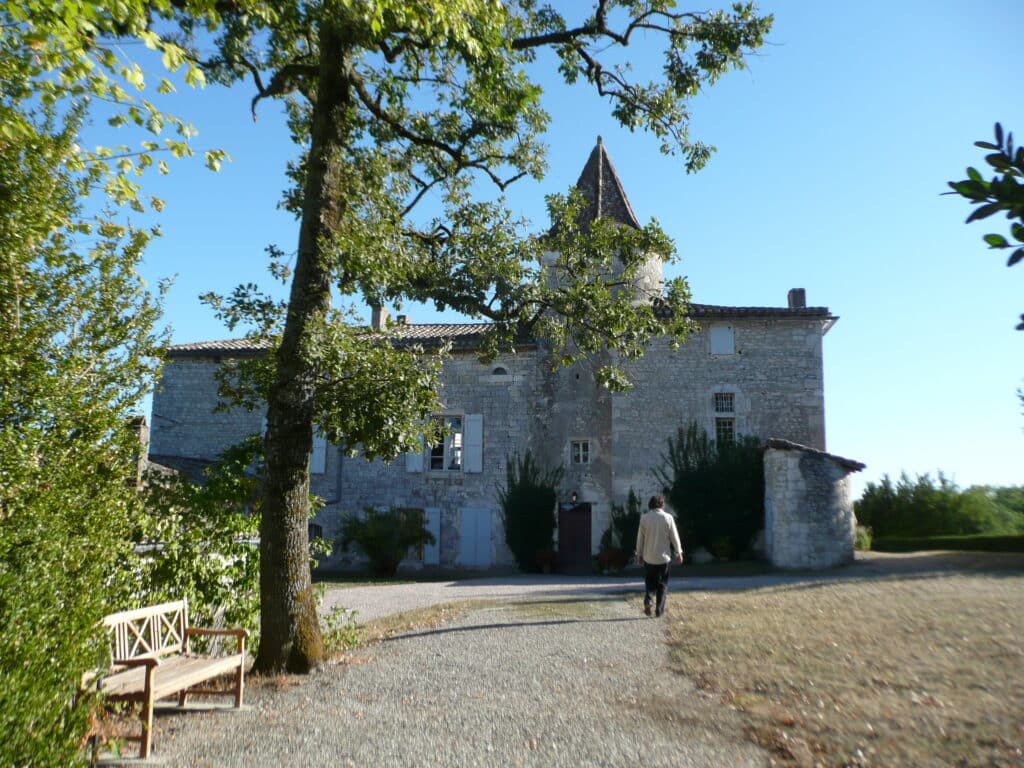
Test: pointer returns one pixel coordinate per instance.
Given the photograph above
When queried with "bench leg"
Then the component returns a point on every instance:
(239, 685)
(147, 729)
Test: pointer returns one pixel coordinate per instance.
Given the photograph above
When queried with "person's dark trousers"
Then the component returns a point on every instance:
(656, 586)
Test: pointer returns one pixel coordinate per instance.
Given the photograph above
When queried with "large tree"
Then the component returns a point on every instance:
(401, 104)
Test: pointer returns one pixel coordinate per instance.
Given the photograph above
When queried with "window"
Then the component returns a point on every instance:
(722, 340)
(446, 454)
(460, 448)
(725, 417)
(315, 531)
(579, 451)
(499, 371)
(725, 402)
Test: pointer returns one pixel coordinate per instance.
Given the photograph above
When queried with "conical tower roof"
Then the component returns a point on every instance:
(603, 191)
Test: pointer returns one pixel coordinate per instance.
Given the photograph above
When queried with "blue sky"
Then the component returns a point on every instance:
(834, 148)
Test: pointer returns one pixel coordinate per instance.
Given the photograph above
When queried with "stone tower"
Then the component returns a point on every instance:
(606, 199)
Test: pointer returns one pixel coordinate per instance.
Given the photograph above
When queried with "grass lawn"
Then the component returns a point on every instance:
(918, 670)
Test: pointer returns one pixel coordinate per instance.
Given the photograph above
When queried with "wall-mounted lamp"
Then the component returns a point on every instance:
(574, 497)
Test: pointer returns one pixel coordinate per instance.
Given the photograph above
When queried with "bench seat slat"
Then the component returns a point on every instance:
(175, 674)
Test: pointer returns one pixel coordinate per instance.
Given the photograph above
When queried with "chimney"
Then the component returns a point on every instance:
(403, 319)
(797, 298)
(378, 318)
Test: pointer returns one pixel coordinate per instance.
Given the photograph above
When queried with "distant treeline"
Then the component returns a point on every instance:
(928, 507)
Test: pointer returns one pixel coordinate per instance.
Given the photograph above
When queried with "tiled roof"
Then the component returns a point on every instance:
(229, 347)
(602, 189)
(467, 335)
(462, 336)
(699, 311)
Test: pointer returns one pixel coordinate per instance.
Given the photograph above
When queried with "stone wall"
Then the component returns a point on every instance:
(809, 521)
(775, 375)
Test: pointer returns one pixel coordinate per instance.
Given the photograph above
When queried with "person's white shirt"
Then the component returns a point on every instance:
(658, 540)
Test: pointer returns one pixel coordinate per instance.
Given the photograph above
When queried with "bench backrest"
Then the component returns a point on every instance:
(155, 630)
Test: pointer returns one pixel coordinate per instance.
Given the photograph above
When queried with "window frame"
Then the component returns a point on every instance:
(584, 444)
(452, 444)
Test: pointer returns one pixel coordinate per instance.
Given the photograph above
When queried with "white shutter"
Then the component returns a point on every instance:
(432, 552)
(414, 461)
(473, 443)
(318, 461)
(723, 340)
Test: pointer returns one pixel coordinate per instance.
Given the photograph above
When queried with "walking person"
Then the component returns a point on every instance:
(657, 545)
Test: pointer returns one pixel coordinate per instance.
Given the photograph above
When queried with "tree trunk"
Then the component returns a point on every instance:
(289, 626)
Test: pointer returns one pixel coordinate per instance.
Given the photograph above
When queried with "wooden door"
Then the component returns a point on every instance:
(574, 539)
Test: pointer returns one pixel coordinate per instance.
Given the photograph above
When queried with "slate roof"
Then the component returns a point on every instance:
(786, 445)
(603, 190)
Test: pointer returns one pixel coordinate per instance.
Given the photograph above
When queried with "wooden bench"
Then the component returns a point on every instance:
(150, 660)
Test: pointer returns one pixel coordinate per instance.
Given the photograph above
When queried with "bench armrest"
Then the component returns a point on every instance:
(239, 634)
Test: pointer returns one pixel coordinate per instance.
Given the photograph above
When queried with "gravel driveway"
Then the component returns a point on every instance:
(556, 671)
(555, 682)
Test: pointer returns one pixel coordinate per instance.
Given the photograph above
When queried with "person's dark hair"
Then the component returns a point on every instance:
(656, 502)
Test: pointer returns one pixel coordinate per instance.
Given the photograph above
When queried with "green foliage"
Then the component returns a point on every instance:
(1003, 194)
(199, 540)
(924, 507)
(976, 543)
(528, 509)
(77, 352)
(385, 537)
(862, 538)
(717, 491)
(340, 630)
(619, 539)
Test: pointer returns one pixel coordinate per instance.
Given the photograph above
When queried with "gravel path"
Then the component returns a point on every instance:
(556, 672)
(554, 682)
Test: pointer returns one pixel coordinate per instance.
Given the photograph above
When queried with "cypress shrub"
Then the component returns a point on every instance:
(716, 491)
(528, 509)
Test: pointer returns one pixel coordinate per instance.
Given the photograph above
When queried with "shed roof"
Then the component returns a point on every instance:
(786, 445)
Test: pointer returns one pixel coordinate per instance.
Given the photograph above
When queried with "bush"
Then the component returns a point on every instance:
(717, 491)
(385, 537)
(200, 541)
(528, 509)
(982, 543)
(618, 541)
(862, 538)
(924, 508)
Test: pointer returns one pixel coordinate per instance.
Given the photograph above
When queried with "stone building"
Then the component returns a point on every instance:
(749, 370)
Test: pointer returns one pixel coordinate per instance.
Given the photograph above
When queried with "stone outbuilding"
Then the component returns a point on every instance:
(809, 521)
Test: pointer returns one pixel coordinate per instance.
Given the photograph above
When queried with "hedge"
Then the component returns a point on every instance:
(976, 543)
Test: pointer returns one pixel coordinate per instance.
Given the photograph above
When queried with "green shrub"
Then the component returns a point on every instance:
(977, 543)
(618, 542)
(340, 630)
(385, 537)
(716, 491)
(924, 507)
(200, 540)
(528, 509)
(862, 538)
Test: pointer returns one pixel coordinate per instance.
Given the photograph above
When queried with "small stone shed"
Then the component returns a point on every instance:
(809, 520)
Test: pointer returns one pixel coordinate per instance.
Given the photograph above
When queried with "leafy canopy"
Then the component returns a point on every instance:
(1003, 194)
